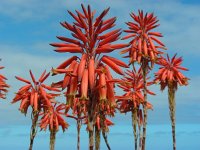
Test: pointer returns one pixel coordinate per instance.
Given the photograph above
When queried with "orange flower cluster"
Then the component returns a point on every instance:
(144, 42)
(54, 118)
(88, 78)
(35, 94)
(132, 85)
(89, 34)
(3, 85)
(169, 72)
(100, 82)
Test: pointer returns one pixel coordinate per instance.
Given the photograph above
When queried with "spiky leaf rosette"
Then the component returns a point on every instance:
(144, 42)
(92, 37)
(132, 85)
(35, 94)
(53, 118)
(3, 85)
(169, 72)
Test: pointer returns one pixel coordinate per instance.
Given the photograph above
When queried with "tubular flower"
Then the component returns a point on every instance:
(53, 118)
(35, 94)
(169, 72)
(3, 85)
(144, 42)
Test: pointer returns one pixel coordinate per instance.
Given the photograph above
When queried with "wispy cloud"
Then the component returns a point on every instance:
(29, 9)
(179, 25)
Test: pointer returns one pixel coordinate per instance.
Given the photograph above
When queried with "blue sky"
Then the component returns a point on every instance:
(28, 26)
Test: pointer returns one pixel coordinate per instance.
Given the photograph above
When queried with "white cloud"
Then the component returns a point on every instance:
(30, 9)
(179, 22)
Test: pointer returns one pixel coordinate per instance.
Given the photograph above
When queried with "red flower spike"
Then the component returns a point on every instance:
(90, 84)
(169, 72)
(132, 85)
(144, 42)
(53, 118)
(90, 39)
(34, 95)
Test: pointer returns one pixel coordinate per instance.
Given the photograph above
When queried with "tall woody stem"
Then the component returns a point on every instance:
(97, 138)
(78, 127)
(172, 108)
(144, 71)
(91, 121)
(78, 133)
(134, 125)
(104, 130)
(33, 128)
(106, 139)
(52, 139)
(91, 135)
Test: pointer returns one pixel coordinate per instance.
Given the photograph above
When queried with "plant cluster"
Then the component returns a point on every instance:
(88, 84)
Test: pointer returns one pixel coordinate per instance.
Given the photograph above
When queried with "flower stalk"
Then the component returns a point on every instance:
(52, 139)
(145, 113)
(33, 133)
(172, 108)
(134, 125)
